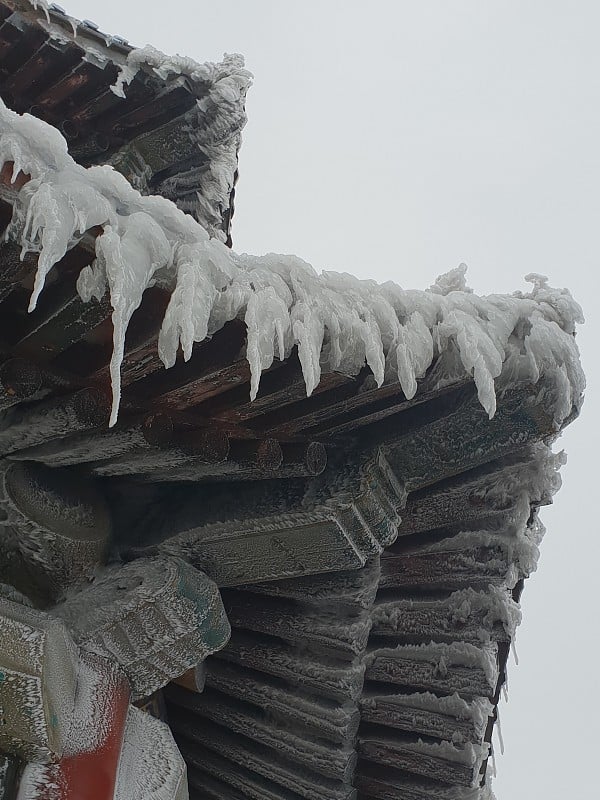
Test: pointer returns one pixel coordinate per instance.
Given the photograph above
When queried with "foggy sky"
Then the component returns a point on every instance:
(394, 140)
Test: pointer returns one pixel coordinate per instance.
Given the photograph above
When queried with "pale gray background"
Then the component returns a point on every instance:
(394, 140)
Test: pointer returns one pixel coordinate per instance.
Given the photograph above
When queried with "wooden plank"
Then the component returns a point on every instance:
(25, 426)
(334, 721)
(352, 588)
(100, 444)
(61, 320)
(332, 629)
(44, 66)
(281, 386)
(418, 668)
(386, 783)
(464, 438)
(461, 617)
(328, 677)
(258, 771)
(408, 754)
(416, 714)
(19, 380)
(216, 364)
(297, 746)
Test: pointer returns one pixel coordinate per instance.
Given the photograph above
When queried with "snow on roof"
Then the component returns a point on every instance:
(338, 322)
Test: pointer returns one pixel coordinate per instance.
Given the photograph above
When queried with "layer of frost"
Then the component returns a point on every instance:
(495, 605)
(336, 321)
(478, 710)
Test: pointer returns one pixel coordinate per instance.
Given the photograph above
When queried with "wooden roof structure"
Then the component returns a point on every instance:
(161, 135)
(367, 550)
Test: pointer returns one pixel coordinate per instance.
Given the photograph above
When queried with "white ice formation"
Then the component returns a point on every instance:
(224, 87)
(338, 322)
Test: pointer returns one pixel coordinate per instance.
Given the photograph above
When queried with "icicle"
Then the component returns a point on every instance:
(268, 324)
(338, 322)
(43, 4)
(513, 648)
(493, 760)
(498, 728)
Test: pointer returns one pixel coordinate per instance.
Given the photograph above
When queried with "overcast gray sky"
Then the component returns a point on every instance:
(394, 140)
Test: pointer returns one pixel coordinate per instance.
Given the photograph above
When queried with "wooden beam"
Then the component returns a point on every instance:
(255, 771)
(19, 380)
(409, 755)
(243, 719)
(419, 669)
(41, 422)
(344, 632)
(333, 721)
(406, 712)
(101, 444)
(297, 666)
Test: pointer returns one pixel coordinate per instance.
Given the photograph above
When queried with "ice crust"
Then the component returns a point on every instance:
(337, 321)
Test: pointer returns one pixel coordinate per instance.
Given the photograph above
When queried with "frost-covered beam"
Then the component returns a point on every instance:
(155, 618)
(297, 666)
(386, 783)
(272, 530)
(207, 448)
(466, 615)
(486, 493)
(19, 380)
(246, 460)
(253, 768)
(462, 437)
(353, 588)
(471, 671)
(424, 714)
(246, 720)
(441, 761)
(57, 522)
(41, 422)
(333, 631)
(101, 444)
(335, 722)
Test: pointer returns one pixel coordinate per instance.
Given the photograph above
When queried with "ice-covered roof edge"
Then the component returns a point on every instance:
(224, 87)
(337, 322)
(214, 125)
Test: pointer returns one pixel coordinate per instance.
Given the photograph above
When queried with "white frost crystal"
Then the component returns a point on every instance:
(337, 322)
(150, 766)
